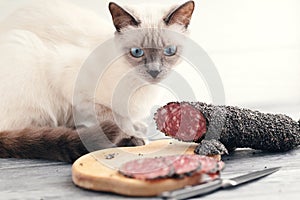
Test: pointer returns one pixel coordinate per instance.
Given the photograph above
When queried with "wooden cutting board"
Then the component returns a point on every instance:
(98, 170)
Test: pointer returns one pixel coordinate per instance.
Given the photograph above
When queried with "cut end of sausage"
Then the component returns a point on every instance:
(181, 121)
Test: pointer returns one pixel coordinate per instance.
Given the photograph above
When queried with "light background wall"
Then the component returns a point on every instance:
(255, 45)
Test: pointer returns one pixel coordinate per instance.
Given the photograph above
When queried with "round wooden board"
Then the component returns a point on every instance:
(99, 170)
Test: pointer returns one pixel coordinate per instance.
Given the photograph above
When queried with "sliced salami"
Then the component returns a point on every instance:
(181, 121)
(183, 165)
(208, 165)
(176, 166)
(147, 168)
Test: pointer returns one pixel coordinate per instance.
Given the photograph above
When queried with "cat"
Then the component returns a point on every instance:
(43, 47)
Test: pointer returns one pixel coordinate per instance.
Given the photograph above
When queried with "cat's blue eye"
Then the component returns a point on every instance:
(137, 52)
(170, 50)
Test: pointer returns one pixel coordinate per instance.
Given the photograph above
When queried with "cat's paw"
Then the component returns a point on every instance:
(211, 147)
(119, 137)
(140, 127)
(130, 142)
(140, 131)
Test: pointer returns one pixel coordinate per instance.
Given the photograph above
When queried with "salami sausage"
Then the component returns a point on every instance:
(217, 126)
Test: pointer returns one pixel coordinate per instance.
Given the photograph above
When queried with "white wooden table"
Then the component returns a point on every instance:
(33, 179)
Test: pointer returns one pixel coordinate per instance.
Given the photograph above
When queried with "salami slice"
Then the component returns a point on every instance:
(181, 121)
(147, 168)
(208, 165)
(177, 166)
(183, 165)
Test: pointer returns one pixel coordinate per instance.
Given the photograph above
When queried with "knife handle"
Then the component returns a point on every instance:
(192, 191)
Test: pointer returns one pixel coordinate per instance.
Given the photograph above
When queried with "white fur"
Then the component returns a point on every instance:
(42, 48)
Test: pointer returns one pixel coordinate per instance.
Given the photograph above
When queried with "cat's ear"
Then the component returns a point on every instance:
(181, 15)
(121, 17)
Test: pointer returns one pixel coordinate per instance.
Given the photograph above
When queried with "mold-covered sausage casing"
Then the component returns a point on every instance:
(237, 127)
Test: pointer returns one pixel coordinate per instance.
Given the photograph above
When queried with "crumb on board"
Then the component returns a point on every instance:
(140, 154)
(111, 156)
(81, 164)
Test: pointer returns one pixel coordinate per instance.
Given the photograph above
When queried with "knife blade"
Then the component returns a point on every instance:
(198, 190)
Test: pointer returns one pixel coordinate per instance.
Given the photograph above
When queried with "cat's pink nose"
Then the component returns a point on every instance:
(154, 73)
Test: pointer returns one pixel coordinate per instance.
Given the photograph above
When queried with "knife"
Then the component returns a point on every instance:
(192, 191)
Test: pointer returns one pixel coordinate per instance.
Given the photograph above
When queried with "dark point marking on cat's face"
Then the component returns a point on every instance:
(154, 65)
(151, 52)
(181, 15)
(121, 17)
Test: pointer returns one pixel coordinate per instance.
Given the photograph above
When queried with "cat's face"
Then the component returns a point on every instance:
(151, 49)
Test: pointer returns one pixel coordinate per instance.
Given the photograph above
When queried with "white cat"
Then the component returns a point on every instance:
(44, 48)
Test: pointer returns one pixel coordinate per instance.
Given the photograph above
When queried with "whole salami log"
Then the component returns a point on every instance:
(218, 128)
